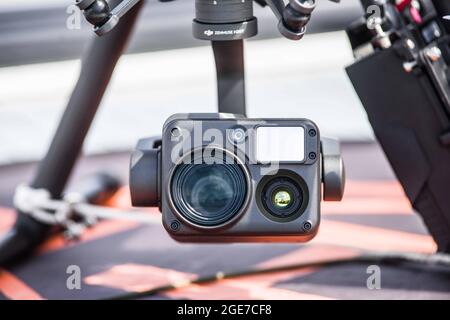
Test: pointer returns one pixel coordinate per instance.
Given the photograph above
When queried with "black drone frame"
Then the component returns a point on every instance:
(97, 68)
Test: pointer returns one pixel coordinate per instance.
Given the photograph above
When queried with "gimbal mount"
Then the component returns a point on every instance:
(226, 23)
(212, 15)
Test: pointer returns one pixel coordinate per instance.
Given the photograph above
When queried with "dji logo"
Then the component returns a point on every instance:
(209, 33)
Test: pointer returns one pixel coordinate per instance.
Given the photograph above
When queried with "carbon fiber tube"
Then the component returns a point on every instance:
(55, 169)
(229, 58)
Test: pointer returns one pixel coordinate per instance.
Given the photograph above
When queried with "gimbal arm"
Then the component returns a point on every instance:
(292, 17)
(98, 13)
(277, 7)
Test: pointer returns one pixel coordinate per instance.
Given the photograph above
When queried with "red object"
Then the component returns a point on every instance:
(403, 4)
(414, 13)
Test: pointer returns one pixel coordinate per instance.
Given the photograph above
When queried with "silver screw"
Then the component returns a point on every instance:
(433, 53)
(409, 66)
(410, 44)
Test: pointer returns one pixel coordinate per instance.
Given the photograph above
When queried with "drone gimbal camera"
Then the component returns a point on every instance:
(215, 20)
(227, 178)
(226, 24)
(227, 194)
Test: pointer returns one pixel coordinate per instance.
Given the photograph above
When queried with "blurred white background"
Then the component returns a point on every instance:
(284, 79)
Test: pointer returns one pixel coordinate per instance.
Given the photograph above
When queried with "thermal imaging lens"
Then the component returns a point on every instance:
(282, 199)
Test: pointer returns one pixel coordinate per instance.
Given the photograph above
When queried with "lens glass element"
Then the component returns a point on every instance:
(209, 189)
(282, 199)
(209, 194)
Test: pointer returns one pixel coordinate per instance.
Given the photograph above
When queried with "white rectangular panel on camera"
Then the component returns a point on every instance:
(280, 144)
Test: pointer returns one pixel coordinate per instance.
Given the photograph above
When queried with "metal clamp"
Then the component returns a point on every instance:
(71, 214)
(109, 18)
(38, 204)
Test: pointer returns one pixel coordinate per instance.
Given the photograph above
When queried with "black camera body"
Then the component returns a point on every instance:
(226, 178)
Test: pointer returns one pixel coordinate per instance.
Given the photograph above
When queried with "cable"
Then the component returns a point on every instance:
(442, 260)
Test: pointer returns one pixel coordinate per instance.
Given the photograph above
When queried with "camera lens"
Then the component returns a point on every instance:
(209, 194)
(282, 197)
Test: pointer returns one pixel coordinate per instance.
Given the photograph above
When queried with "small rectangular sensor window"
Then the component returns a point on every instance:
(280, 144)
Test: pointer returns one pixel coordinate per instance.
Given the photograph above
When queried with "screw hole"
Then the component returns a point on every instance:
(175, 225)
(307, 226)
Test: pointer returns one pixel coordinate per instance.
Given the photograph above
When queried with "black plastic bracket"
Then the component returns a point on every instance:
(333, 170)
(145, 164)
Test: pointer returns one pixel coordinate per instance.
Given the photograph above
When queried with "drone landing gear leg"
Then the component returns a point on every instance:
(55, 169)
(229, 57)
